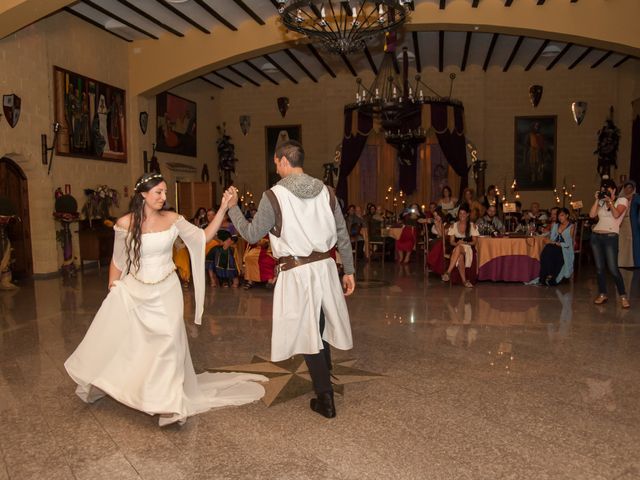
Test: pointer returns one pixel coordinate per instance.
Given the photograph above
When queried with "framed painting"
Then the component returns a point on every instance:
(535, 152)
(92, 117)
(273, 137)
(176, 125)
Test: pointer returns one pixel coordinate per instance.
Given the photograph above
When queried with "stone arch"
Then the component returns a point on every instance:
(14, 186)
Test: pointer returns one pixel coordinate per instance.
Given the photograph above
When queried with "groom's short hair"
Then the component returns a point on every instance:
(293, 151)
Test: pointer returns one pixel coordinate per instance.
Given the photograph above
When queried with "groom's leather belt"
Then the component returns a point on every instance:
(287, 263)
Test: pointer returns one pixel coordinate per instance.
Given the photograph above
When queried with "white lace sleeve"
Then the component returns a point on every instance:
(194, 239)
(119, 257)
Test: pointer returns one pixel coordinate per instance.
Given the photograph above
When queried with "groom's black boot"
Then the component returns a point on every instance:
(324, 405)
(319, 365)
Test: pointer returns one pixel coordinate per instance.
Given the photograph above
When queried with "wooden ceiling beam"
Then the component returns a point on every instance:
(227, 79)
(207, 8)
(151, 18)
(507, 3)
(184, 17)
(242, 75)
(580, 58)
(112, 15)
(260, 72)
(95, 24)
(443, 4)
(279, 67)
(562, 53)
(372, 64)
(492, 46)
(416, 51)
(602, 59)
(350, 67)
(627, 57)
(321, 60)
(475, 3)
(249, 12)
(537, 55)
(514, 52)
(211, 82)
(465, 55)
(300, 65)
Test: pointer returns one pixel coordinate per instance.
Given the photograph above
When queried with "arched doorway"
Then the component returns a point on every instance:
(13, 185)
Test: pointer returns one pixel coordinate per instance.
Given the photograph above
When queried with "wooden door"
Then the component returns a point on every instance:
(193, 195)
(13, 185)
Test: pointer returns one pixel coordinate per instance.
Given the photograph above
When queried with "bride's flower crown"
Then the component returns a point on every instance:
(148, 179)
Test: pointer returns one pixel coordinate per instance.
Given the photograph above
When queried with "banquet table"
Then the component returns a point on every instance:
(507, 259)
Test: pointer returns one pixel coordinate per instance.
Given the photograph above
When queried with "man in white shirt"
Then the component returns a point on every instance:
(304, 222)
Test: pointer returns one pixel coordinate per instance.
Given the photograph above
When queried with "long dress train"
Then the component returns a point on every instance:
(136, 349)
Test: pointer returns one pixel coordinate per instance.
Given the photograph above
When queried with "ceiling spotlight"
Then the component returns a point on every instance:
(550, 51)
(268, 67)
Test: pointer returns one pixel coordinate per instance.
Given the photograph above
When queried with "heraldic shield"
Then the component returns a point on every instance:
(11, 107)
(144, 122)
(245, 123)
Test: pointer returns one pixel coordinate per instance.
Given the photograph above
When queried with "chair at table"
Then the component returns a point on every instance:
(582, 235)
(373, 243)
(439, 252)
(421, 239)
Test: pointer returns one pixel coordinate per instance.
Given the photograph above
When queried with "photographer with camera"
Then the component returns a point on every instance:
(604, 239)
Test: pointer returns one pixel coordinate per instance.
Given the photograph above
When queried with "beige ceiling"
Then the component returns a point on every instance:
(170, 44)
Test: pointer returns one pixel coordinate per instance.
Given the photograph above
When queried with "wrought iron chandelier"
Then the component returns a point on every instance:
(394, 101)
(343, 26)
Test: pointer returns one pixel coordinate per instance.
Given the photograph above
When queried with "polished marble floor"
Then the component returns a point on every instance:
(501, 381)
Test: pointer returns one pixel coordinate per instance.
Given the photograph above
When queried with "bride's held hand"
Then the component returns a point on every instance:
(231, 196)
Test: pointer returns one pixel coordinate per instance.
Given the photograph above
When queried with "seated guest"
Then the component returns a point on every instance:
(211, 213)
(221, 262)
(463, 236)
(430, 213)
(259, 264)
(556, 259)
(447, 202)
(228, 226)
(411, 218)
(514, 221)
(490, 222)
(370, 211)
(476, 209)
(491, 198)
(553, 218)
(435, 259)
(355, 224)
(200, 218)
(535, 214)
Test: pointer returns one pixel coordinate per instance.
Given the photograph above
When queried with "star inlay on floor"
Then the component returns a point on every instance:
(290, 378)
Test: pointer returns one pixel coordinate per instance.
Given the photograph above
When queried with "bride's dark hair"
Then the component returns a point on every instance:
(136, 208)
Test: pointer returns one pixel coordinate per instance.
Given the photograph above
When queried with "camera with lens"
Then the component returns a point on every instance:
(602, 195)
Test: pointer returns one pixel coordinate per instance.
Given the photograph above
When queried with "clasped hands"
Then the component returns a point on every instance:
(230, 197)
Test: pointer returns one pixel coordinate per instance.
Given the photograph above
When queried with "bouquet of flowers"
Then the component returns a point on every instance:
(99, 201)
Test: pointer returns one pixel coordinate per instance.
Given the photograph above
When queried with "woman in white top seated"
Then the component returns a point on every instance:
(463, 236)
(447, 202)
(604, 239)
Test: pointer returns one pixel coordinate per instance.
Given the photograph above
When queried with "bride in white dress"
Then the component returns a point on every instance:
(136, 348)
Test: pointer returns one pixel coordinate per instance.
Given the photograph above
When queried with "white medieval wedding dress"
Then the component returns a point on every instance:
(136, 349)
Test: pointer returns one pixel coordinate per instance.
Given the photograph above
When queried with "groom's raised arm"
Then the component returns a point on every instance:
(263, 221)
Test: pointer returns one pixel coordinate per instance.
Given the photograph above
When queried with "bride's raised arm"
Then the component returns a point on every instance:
(214, 226)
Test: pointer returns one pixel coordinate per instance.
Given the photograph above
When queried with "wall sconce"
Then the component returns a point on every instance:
(51, 149)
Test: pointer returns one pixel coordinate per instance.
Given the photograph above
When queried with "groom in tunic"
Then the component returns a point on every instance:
(304, 223)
